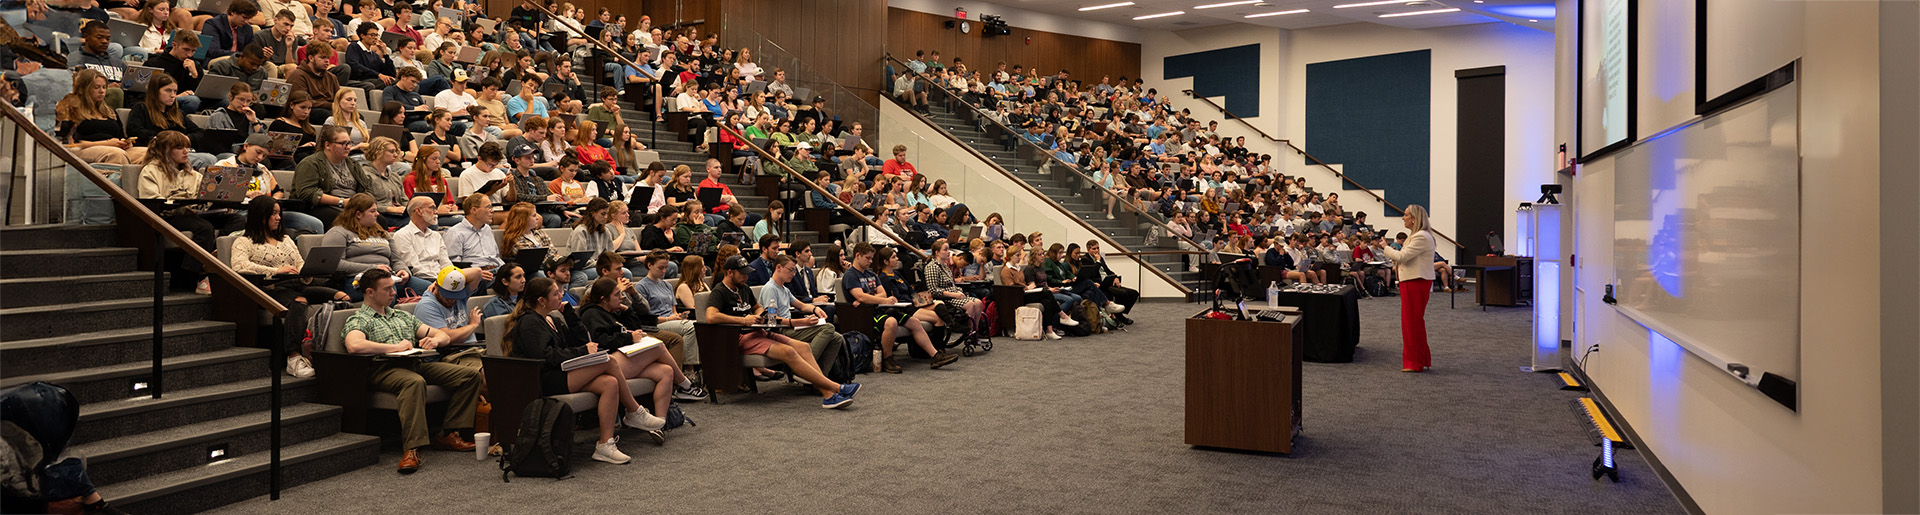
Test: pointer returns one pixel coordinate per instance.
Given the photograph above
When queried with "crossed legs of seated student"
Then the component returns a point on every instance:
(656, 364)
(797, 355)
(610, 383)
(888, 331)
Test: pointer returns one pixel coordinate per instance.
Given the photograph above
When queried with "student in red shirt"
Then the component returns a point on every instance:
(899, 165)
(713, 181)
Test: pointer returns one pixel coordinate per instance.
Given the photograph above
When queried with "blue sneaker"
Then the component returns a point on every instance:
(848, 389)
(836, 401)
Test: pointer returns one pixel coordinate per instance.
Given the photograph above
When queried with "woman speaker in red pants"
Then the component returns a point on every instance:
(1414, 263)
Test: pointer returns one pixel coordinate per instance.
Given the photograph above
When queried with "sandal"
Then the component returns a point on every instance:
(775, 376)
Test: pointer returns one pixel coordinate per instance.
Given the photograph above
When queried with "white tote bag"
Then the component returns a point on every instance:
(1026, 323)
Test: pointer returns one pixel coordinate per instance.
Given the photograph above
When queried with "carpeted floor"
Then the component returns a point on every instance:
(1086, 425)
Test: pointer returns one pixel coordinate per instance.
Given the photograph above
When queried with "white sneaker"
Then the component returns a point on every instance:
(610, 453)
(1109, 216)
(299, 366)
(1068, 321)
(1115, 307)
(1053, 335)
(643, 420)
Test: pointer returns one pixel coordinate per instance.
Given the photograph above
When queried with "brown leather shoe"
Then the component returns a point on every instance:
(452, 442)
(409, 461)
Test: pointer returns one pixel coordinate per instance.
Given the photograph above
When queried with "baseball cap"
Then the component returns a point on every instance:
(803, 144)
(452, 283)
(259, 139)
(459, 75)
(520, 150)
(736, 263)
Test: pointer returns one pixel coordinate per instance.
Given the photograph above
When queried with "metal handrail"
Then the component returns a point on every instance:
(766, 156)
(1336, 173)
(1223, 110)
(1069, 167)
(163, 233)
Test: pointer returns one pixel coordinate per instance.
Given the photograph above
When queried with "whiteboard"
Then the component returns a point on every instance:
(1707, 235)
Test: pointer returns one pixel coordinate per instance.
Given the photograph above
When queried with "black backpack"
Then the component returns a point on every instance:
(543, 447)
(1375, 285)
(856, 357)
(1078, 314)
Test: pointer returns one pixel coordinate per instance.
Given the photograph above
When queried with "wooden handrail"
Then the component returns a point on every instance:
(1230, 115)
(1070, 168)
(766, 156)
(1336, 173)
(209, 262)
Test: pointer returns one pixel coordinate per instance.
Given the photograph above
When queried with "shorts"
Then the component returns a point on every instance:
(755, 342)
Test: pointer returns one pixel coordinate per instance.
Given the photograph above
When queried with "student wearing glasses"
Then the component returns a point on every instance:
(327, 178)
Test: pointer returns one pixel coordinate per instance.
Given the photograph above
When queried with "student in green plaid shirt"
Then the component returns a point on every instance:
(378, 328)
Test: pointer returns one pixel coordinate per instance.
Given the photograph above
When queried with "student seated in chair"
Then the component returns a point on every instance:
(863, 287)
(377, 328)
(608, 318)
(532, 333)
(732, 302)
(804, 320)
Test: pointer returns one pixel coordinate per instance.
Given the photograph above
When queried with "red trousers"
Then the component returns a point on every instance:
(1413, 323)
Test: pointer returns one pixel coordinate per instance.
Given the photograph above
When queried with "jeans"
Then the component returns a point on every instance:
(423, 126)
(1066, 300)
(433, 86)
(189, 104)
(301, 222)
(616, 70)
(1090, 291)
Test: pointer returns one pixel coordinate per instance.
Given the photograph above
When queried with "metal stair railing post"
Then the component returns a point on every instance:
(1289, 145)
(766, 156)
(655, 114)
(163, 234)
(1047, 156)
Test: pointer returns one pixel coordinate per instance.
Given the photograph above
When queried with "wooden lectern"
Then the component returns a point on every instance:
(1243, 383)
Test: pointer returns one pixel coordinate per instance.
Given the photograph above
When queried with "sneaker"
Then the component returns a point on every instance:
(643, 420)
(1053, 335)
(944, 358)
(299, 366)
(1109, 216)
(659, 438)
(693, 392)
(848, 389)
(1068, 321)
(836, 401)
(610, 453)
(1115, 307)
(1123, 319)
(205, 287)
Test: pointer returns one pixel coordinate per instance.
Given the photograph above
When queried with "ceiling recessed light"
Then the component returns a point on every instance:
(1227, 4)
(1099, 7)
(1161, 15)
(1533, 21)
(1388, 2)
(1277, 13)
(1417, 13)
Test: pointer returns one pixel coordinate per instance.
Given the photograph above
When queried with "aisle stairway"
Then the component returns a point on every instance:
(1061, 187)
(75, 311)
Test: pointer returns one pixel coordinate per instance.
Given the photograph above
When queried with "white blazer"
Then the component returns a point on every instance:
(1414, 260)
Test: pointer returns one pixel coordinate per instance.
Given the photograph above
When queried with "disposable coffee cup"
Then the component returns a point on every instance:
(481, 441)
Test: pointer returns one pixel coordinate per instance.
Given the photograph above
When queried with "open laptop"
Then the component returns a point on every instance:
(396, 132)
(393, 40)
(137, 77)
(452, 16)
(758, 86)
(710, 198)
(852, 142)
(487, 26)
(532, 259)
(214, 7)
(206, 42)
(435, 196)
(126, 32)
(274, 92)
(763, 143)
(468, 55)
(593, 31)
(323, 261)
(224, 184)
(221, 141)
(215, 86)
(282, 144)
(552, 89)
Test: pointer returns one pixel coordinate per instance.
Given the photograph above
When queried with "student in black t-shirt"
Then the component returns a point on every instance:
(659, 235)
(733, 302)
(863, 286)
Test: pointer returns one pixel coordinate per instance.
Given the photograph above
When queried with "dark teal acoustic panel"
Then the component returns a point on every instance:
(1233, 73)
(1372, 115)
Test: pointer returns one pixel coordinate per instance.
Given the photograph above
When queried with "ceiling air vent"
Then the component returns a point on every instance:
(1185, 23)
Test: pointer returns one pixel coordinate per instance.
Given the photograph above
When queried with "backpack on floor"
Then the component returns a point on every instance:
(990, 318)
(675, 418)
(1079, 314)
(1091, 316)
(1374, 285)
(858, 354)
(543, 446)
(1026, 325)
(318, 322)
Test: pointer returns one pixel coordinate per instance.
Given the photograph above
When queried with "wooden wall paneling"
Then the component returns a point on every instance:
(840, 40)
(1084, 58)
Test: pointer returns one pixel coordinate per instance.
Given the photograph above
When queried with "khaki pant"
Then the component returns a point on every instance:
(408, 382)
(825, 340)
(687, 353)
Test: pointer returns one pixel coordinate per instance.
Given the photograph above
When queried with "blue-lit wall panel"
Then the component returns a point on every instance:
(1233, 73)
(1372, 115)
